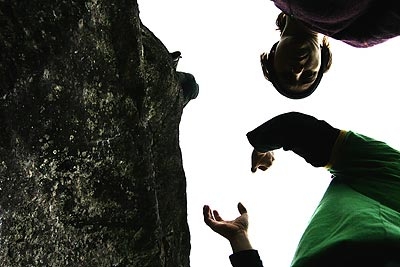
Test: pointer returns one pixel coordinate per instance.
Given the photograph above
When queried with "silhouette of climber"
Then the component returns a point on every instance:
(190, 88)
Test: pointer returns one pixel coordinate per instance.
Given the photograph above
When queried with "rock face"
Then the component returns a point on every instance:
(90, 165)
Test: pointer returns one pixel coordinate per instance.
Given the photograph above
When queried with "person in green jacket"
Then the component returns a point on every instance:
(357, 222)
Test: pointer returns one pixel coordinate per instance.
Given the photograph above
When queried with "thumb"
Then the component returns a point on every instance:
(241, 208)
(254, 166)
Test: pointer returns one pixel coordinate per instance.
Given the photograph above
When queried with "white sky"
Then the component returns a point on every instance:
(221, 41)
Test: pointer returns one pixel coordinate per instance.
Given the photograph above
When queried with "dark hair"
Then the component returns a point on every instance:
(267, 64)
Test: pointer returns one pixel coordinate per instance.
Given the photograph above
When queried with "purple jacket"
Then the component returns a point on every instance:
(359, 23)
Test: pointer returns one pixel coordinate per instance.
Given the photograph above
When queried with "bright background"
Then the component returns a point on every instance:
(221, 41)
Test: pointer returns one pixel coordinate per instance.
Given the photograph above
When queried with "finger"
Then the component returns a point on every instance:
(254, 161)
(254, 167)
(206, 209)
(263, 168)
(207, 214)
(241, 208)
(217, 216)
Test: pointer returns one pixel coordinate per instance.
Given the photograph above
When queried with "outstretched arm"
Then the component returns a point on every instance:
(305, 135)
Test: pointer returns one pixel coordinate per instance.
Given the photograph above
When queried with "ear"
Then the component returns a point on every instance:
(326, 55)
(281, 21)
(264, 61)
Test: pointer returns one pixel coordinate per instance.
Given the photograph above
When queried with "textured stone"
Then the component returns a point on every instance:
(90, 165)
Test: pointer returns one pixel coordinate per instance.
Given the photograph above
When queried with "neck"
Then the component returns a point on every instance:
(294, 27)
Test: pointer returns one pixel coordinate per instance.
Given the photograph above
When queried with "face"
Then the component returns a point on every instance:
(296, 62)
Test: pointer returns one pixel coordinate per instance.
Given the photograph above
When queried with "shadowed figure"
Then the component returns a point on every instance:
(187, 82)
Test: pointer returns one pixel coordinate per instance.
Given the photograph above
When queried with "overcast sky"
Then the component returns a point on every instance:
(221, 41)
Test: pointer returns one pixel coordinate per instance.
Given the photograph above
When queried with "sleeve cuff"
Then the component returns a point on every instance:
(336, 148)
(251, 136)
(246, 258)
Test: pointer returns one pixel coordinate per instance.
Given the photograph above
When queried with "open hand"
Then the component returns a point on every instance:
(235, 230)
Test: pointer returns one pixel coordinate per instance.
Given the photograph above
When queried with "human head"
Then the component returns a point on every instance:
(295, 64)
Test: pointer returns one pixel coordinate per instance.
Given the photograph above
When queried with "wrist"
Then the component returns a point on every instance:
(240, 242)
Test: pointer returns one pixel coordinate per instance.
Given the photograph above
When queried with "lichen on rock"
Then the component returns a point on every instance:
(90, 165)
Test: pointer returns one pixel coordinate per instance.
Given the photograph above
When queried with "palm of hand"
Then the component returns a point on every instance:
(228, 229)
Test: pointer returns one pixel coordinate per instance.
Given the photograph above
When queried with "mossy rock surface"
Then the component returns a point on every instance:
(90, 165)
